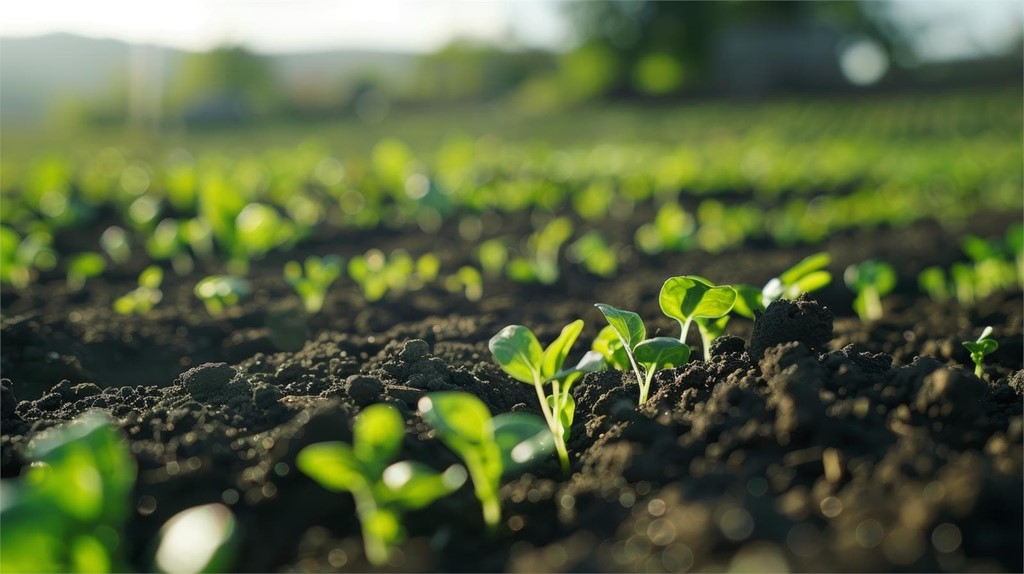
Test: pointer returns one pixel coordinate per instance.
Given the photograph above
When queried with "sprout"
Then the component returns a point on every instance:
(312, 280)
(692, 299)
(490, 446)
(382, 490)
(870, 280)
(518, 353)
(83, 267)
(645, 356)
(981, 347)
(221, 292)
(143, 298)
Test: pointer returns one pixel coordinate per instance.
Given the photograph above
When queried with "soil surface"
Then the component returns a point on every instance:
(809, 441)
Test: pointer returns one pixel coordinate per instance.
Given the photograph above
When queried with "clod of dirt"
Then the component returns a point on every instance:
(727, 344)
(364, 389)
(951, 394)
(794, 377)
(211, 382)
(802, 320)
(1016, 382)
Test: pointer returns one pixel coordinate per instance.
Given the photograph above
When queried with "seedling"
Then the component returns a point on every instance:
(645, 356)
(983, 346)
(67, 511)
(221, 292)
(870, 280)
(83, 267)
(312, 280)
(518, 353)
(491, 447)
(382, 490)
(808, 275)
(143, 298)
(691, 299)
(468, 280)
(594, 254)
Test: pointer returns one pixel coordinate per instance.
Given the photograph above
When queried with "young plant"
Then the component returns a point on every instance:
(870, 280)
(221, 292)
(83, 267)
(143, 298)
(518, 352)
(691, 299)
(382, 490)
(312, 280)
(983, 346)
(490, 446)
(645, 356)
(67, 511)
(809, 274)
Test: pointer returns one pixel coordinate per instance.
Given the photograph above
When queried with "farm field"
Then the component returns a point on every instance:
(229, 298)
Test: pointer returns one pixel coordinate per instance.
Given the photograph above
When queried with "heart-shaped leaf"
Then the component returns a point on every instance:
(661, 353)
(517, 352)
(377, 435)
(688, 297)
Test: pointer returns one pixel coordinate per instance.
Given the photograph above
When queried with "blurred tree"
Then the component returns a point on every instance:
(225, 81)
(660, 46)
(465, 70)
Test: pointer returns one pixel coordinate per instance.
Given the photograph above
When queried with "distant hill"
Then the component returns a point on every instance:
(37, 73)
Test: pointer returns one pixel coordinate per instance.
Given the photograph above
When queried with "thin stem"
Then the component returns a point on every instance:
(705, 340)
(484, 491)
(376, 549)
(645, 387)
(978, 371)
(872, 304)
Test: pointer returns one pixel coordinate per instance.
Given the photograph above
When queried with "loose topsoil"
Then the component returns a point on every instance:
(809, 441)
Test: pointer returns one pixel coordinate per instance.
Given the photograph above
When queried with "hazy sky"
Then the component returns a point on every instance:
(947, 28)
(290, 25)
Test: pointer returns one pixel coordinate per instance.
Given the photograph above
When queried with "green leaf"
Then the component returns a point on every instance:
(198, 539)
(333, 465)
(808, 283)
(151, 277)
(377, 435)
(558, 350)
(689, 297)
(661, 353)
(522, 439)
(517, 352)
(383, 524)
(609, 346)
(627, 325)
(805, 267)
(749, 301)
(460, 418)
(591, 362)
(415, 485)
(871, 273)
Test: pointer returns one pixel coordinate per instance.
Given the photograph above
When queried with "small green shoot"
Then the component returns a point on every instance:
(808, 275)
(870, 280)
(518, 353)
(382, 490)
(221, 292)
(66, 513)
(490, 446)
(83, 267)
(312, 279)
(692, 299)
(645, 356)
(983, 346)
(143, 298)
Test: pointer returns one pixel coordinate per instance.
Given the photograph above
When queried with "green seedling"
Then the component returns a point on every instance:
(594, 254)
(166, 243)
(312, 279)
(67, 511)
(870, 280)
(983, 346)
(645, 356)
(808, 275)
(382, 489)
(221, 292)
(83, 267)
(490, 446)
(20, 258)
(932, 280)
(467, 280)
(518, 352)
(143, 298)
(690, 299)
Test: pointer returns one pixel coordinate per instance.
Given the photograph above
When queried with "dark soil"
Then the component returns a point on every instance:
(809, 441)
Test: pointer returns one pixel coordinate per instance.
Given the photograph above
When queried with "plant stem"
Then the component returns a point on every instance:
(558, 431)
(706, 341)
(978, 371)
(872, 304)
(645, 386)
(554, 421)
(376, 550)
